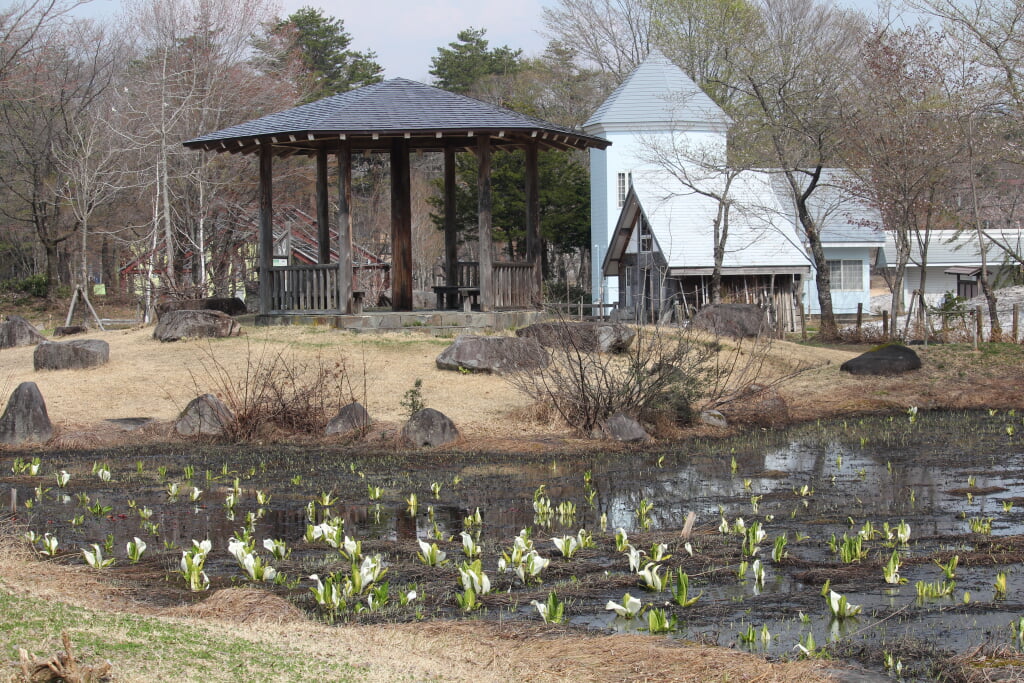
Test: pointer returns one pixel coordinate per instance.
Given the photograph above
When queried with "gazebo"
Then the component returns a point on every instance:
(394, 117)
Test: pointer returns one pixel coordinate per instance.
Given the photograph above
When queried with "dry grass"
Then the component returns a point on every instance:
(149, 378)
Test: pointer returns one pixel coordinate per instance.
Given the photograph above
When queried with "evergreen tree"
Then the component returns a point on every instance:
(322, 43)
(467, 61)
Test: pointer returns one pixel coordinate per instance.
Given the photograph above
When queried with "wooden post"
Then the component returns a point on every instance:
(977, 327)
(323, 229)
(483, 153)
(266, 194)
(533, 241)
(1016, 321)
(451, 236)
(885, 324)
(860, 316)
(401, 227)
(345, 227)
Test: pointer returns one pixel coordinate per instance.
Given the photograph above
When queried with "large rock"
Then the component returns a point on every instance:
(429, 427)
(16, 331)
(493, 354)
(175, 325)
(205, 415)
(25, 420)
(622, 427)
(227, 305)
(72, 355)
(891, 359)
(587, 337)
(732, 320)
(713, 418)
(350, 418)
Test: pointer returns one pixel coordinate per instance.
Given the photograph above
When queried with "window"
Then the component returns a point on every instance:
(846, 275)
(646, 238)
(625, 181)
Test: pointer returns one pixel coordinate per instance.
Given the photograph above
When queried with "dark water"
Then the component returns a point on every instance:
(935, 472)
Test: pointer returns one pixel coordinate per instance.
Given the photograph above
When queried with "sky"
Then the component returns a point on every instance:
(406, 34)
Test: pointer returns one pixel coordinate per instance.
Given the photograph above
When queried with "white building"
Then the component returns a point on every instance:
(653, 235)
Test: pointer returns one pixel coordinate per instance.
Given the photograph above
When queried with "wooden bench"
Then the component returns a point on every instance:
(467, 296)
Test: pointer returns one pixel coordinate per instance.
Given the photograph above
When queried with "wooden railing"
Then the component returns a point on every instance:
(513, 284)
(304, 288)
(512, 280)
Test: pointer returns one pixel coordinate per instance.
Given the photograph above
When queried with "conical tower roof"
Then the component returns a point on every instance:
(657, 94)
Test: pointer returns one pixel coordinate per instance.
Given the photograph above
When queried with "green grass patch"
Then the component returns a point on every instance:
(149, 648)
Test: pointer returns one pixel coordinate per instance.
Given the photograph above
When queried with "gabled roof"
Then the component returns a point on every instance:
(424, 115)
(843, 218)
(948, 248)
(761, 239)
(657, 94)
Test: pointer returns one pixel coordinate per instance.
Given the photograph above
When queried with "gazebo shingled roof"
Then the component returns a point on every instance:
(394, 107)
(394, 116)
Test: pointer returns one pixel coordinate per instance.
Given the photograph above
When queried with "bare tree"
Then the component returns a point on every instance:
(612, 36)
(45, 97)
(792, 71)
(195, 73)
(901, 144)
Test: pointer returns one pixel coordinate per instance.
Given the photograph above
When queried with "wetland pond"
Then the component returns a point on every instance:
(843, 495)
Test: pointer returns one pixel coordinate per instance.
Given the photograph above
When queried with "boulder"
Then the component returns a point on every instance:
(227, 305)
(588, 337)
(16, 331)
(890, 359)
(713, 418)
(731, 320)
(429, 427)
(25, 420)
(622, 427)
(350, 418)
(72, 355)
(205, 415)
(499, 355)
(176, 325)
(69, 330)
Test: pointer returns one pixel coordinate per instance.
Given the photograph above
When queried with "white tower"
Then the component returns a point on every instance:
(657, 98)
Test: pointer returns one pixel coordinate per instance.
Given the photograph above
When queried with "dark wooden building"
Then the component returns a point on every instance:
(395, 117)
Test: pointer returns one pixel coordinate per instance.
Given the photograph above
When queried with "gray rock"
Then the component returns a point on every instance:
(129, 424)
(587, 337)
(890, 359)
(72, 355)
(16, 331)
(350, 418)
(499, 355)
(205, 415)
(227, 305)
(69, 330)
(732, 320)
(429, 427)
(175, 325)
(25, 420)
(622, 427)
(713, 418)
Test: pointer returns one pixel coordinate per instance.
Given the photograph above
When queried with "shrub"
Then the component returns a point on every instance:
(277, 390)
(33, 285)
(667, 375)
